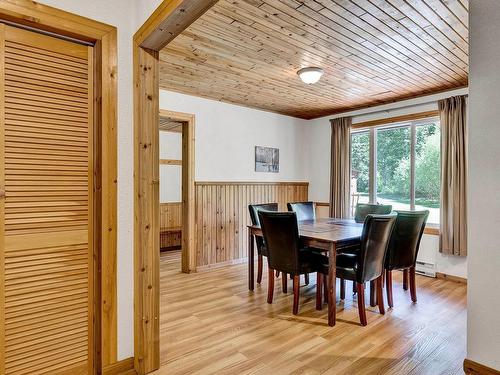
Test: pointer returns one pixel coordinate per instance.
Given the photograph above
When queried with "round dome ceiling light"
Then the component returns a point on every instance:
(310, 75)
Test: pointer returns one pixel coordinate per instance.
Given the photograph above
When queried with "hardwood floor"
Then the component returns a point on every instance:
(211, 324)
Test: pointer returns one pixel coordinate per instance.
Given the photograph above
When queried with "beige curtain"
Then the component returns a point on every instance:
(453, 237)
(340, 167)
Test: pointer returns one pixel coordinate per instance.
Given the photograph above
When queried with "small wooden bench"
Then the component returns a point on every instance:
(170, 238)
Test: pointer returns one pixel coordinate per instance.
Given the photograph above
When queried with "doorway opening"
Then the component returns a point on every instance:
(176, 180)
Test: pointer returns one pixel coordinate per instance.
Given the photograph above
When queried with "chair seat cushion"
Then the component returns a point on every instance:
(347, 265)
(349, 249)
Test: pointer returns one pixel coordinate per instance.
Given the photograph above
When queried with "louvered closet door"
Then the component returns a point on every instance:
(46, 173)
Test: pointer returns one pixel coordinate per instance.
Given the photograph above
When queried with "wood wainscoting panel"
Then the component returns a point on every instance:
(170, 215)
(170, 225)
(222, 216)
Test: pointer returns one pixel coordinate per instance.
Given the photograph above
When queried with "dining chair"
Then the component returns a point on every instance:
(261, 246)
(286, 254)
(363, 209)
(403, 250)
(304, 210)
(367, 264)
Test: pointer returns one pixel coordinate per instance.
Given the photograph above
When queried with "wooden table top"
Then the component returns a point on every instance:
(328, 230)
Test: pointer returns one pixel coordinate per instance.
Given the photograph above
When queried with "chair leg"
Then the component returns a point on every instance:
(270, 286)
(380, 296)
(277, 273)
(354, 291)
(325, 288)
(342, 289)
(319, 285)
(284, 282)
(259, 268)
(373, 296)
(296, 290)
(405, 279)
(413, 285)
(360, 288)
(388, 284)
(306, 278)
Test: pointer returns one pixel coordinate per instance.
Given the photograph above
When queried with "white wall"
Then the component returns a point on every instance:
(483, 306)
(119, 13)
(226, 134)
(170, 175)
(317, 139)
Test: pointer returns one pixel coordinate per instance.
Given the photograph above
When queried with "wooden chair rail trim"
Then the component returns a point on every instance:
(252, 183)
(474, 368)
(393, 120)
(170, 162)
(322, 204)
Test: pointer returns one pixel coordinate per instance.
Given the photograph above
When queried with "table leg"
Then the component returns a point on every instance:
(332, 298)
(250, 260)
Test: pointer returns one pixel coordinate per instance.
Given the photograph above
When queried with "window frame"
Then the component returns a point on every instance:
(412, 124)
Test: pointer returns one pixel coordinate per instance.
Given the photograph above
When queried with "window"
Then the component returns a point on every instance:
(397, 165)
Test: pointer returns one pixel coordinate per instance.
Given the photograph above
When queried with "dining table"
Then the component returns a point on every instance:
(326, 234)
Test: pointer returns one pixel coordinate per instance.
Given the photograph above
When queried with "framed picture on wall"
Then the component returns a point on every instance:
(267, 159)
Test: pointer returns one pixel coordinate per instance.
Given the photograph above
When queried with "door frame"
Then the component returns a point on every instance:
(167, 21)
(188, 189)
(43, 18)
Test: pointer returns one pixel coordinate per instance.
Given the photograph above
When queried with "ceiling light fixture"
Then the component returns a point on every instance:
(310, 75)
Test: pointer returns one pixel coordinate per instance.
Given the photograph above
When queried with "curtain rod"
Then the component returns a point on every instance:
(345, 114)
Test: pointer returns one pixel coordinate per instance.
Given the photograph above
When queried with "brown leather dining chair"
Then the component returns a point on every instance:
(367, 264)
(304, 210)
(403, 250)
(261, 246)
(286, 253)
(363, 209)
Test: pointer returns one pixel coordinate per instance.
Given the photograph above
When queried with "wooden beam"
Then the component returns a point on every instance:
(394, 120)
(168, 21)
(188, 195)
(147, 217)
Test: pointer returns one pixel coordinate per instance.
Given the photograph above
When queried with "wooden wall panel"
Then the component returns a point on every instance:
(170, 215)
(170, 225)
(222, 216)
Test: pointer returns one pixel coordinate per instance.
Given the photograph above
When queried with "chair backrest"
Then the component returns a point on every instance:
(363, 209)
(405, 239)
(374, 242)
(281, 234)
(254, 216)
(304, 210)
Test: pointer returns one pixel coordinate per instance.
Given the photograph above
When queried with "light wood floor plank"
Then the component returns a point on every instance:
(211, 324)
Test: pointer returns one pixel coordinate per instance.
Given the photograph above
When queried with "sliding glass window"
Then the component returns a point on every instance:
(398, 165)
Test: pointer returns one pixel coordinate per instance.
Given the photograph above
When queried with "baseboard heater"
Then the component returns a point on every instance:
(425, 269)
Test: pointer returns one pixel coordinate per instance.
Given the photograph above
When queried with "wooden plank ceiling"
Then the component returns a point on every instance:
(373, 52)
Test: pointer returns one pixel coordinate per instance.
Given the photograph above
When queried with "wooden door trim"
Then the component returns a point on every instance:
(46, 18)
(168, 20)
(188, 187)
